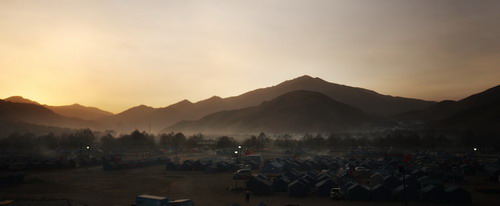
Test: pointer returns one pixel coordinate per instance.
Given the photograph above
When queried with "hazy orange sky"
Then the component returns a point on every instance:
(119, 54)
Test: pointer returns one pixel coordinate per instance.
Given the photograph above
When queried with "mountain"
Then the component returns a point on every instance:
(38, 114)
(480, 111)
(133, 118)
(79, 111)
(20, 99)
(477, 112)
(294, 112)
(75, 110)
(366, 100)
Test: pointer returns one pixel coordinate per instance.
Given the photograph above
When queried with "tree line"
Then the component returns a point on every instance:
(403, 139)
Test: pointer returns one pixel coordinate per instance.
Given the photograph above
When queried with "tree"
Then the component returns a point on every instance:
(251, 142)
(225, 142)
(192, 141)
(333, 141)
(263, 140)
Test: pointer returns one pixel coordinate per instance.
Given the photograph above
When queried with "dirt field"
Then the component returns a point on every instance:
(97, 187)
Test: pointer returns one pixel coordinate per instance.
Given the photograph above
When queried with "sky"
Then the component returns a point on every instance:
(118, 54)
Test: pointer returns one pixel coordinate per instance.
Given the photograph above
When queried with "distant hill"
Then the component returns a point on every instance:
(477, 112)
(75, 110)
(480, 111)
(8, 127)
(38, 114)
(20, 99)
(366, 100)
(363, 99)
(294, 112)
(79, 111)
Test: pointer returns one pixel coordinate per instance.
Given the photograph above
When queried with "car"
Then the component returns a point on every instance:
(336, 194)
(242, 174)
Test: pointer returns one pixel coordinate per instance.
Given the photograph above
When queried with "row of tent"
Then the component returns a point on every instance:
(262, 185)
(208, 165)
(108, 165)
(48, 164)
(258, 204)
(300, 178)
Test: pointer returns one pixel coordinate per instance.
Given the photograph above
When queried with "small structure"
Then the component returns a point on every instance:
(280, 184)
(271, 167)
(147, 200)
(406, 194)
(376, 179)
(324, 187)
(391, 182)
(434, 194)
(297, 189)
(259, 186)
(358, 192)
(380, 193)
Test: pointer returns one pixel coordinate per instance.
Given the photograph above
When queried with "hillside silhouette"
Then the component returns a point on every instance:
(74, 110)
(366, 100)
(480, 111)
(296, 112)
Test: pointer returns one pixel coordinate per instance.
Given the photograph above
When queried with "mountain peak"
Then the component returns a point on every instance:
(20, 99)
(183, 103)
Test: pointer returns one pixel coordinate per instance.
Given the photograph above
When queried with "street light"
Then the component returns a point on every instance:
(239, 146)
(475, 149)
(88, 156)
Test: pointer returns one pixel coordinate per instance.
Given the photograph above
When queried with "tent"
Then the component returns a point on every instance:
(260, 204)
(410, 193)
(259, 186)
(358, 192)
(391, 181)
(434, 194)
(297, 189)
(271, 167)
(346, 186)
(380, 193)
(417, 173)
(376, 179)
(280, 184)
(323, 188)
(458, 195)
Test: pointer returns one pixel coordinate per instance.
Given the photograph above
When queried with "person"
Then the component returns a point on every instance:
(247, 196)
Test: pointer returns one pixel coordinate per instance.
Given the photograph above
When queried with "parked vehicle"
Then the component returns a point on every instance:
(151, 200)
(336, 194)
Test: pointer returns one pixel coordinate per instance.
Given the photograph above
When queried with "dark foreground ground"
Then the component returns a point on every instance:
(97, 187)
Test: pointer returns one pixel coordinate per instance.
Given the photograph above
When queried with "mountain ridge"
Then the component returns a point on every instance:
(367, 100)
(297, 111)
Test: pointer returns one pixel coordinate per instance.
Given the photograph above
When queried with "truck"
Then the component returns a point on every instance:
(152, 200)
